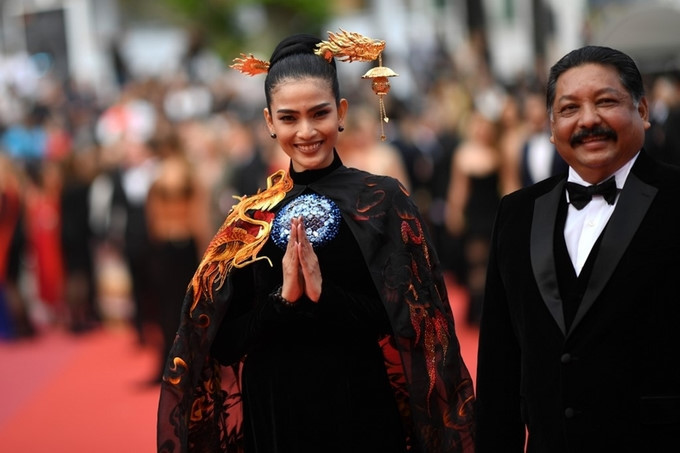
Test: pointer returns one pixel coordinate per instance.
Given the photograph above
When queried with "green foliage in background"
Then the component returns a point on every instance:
(220, 24)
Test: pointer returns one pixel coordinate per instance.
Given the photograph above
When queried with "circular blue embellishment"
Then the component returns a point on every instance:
(321, 219)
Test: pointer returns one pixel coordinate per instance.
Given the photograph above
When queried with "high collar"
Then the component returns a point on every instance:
(309, 176)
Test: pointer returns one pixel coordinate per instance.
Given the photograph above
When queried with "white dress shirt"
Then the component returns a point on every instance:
(540, 155)
(584, 226)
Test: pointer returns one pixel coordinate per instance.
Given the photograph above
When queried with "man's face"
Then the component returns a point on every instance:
(595, 124)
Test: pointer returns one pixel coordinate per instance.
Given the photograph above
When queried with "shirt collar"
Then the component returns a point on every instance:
(621, 174)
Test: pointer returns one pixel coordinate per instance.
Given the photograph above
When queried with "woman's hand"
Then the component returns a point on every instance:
(301, 272)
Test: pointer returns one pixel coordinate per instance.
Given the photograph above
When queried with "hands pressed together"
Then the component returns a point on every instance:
(301, 272)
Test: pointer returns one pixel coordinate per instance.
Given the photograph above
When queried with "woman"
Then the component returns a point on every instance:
(473, 196)
(15, 320)
(359, 148)
(318, 319)
(177, 225)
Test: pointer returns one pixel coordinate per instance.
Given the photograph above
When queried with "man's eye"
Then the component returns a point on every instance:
(568, 110)
(606, 102)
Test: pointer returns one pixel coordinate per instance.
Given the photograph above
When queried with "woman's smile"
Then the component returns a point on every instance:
(305, 118)
(309, 147)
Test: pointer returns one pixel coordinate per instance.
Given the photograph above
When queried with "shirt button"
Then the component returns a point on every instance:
(569, 412)
(566, 358)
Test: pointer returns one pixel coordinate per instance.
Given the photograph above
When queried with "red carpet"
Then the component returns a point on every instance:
(66, 394)
(82, 394)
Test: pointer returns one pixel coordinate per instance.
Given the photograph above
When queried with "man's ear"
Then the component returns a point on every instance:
(643, 110)
(552, 134)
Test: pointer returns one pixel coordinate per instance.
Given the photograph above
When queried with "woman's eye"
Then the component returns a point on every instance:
(321, 113)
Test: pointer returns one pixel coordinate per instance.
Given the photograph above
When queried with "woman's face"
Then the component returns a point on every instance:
(305, 119)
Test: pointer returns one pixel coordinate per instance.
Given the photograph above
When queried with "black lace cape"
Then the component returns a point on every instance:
(200, 404)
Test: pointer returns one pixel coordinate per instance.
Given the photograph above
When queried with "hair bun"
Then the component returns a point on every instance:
(296, 44)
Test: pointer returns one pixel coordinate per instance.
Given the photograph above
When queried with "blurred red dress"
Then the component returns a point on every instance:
(10, 209)
(44, 237)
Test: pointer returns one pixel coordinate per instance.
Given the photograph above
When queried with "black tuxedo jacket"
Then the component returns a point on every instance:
(611, 382)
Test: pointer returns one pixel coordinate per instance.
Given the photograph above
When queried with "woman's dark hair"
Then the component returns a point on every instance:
(628, 72)
(294, 58)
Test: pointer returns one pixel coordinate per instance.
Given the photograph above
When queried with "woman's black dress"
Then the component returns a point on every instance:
(314, 377)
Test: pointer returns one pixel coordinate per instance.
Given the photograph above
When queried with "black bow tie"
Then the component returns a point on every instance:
(579, 195)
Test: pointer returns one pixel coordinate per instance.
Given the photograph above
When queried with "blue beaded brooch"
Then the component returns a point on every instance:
(321, 218)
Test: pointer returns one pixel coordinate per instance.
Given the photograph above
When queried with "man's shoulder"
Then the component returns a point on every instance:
(534, 191)
(517, 208)
(656, 173)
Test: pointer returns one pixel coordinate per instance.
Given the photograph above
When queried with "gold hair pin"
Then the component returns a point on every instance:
(349, 46)
(345, 46)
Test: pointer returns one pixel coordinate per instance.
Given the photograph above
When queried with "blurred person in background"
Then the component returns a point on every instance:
(202, 143)
(446, 104)
(426, 144)
(419, 148)
(58, 139)
(15, 320)
(538, 159)
(512, 133)
(360, 147)
(125, 131)
(276, 352)
(672, 124)
(473, 196)
(663, 137)
(178, 228)
(245, 169)
(77, 240)
(25, 140)
(43, 235)
(137, 173)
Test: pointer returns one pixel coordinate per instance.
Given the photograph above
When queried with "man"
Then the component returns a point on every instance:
(580, 331)
(539, 158)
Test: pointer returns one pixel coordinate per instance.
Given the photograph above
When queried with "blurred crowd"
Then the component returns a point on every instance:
(107, 202)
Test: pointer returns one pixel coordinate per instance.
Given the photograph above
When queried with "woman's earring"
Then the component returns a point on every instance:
(272, 135)
(341, 128)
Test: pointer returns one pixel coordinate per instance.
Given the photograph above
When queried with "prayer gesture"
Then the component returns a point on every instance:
(301, 272)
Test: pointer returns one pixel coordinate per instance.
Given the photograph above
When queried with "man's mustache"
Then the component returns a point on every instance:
(598, 131)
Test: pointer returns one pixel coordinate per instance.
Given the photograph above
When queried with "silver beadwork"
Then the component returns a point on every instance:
(321, 218)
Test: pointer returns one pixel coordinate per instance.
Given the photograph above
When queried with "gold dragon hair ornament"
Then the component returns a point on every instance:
(345, 46)
(349, 46)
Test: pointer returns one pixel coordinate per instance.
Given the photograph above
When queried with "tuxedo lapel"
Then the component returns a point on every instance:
(633, 203)
(542, 251)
